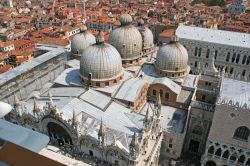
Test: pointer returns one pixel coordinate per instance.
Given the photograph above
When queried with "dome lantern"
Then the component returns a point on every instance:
(125, 19)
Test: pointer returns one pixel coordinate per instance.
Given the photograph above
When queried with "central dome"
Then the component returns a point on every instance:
(103, 62)
(127, 40)
(172, 59)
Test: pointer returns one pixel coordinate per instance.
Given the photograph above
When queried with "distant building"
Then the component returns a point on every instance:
(237, 7)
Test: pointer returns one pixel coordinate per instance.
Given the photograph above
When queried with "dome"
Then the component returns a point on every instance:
(102, 60)
(81, 41)
(127, 40)
(172, 58)
(148, 38)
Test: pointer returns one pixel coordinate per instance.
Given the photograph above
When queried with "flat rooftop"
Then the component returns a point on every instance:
(214, 36)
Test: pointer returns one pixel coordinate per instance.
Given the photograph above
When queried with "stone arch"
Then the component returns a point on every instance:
(218, 152)
(242, 133)
(233, 157)
(64, 128)
(113, 154)
(226, 154)
(242, 159)
(210, 163)
(57, 132)
(248, 162)
(211, 150)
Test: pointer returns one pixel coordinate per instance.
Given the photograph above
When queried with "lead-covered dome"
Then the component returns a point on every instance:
(147, 38)
(127, 40)
(81, 41)
(172, 59)
(101, 62)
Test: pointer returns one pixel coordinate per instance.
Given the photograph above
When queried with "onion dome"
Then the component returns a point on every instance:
(172, 58)
(127, 40)
(101, 60)
(82, 41)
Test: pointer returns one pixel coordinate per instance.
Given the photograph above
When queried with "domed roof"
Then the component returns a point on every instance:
(102, 60)
(127, 40)
(82, 41)
(148, 37)
(172, 57)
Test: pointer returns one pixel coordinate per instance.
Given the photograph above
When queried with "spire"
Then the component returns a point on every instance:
(199, 68)
(36, 108)
(158, 99)
(74, 120)
(100, 38)
(16, 101)
(174, 37)
(50, 99)
(134, 141)
(114, 139)
(147, 115)
(211, 69)
(83, 29)
(84, 12)
(141, 22)
(101, 133)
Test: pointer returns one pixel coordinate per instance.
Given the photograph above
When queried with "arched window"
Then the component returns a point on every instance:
(197, 130)
(233, 157)
(248, 60)
(215, 54)
(242, 133)
(218, 152)
(228, 57)
(154, 92)
(161, 92)
(211, 150)
(241, 160)
(210, 163)
(244, 59)
(232, 70)
(195, 64)
(208, 52)
(248, 162)
(199, 52)
(196, 51)
(238, 58)
(243, 73)
(167, 95)
(234, 56)
(226, 154)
